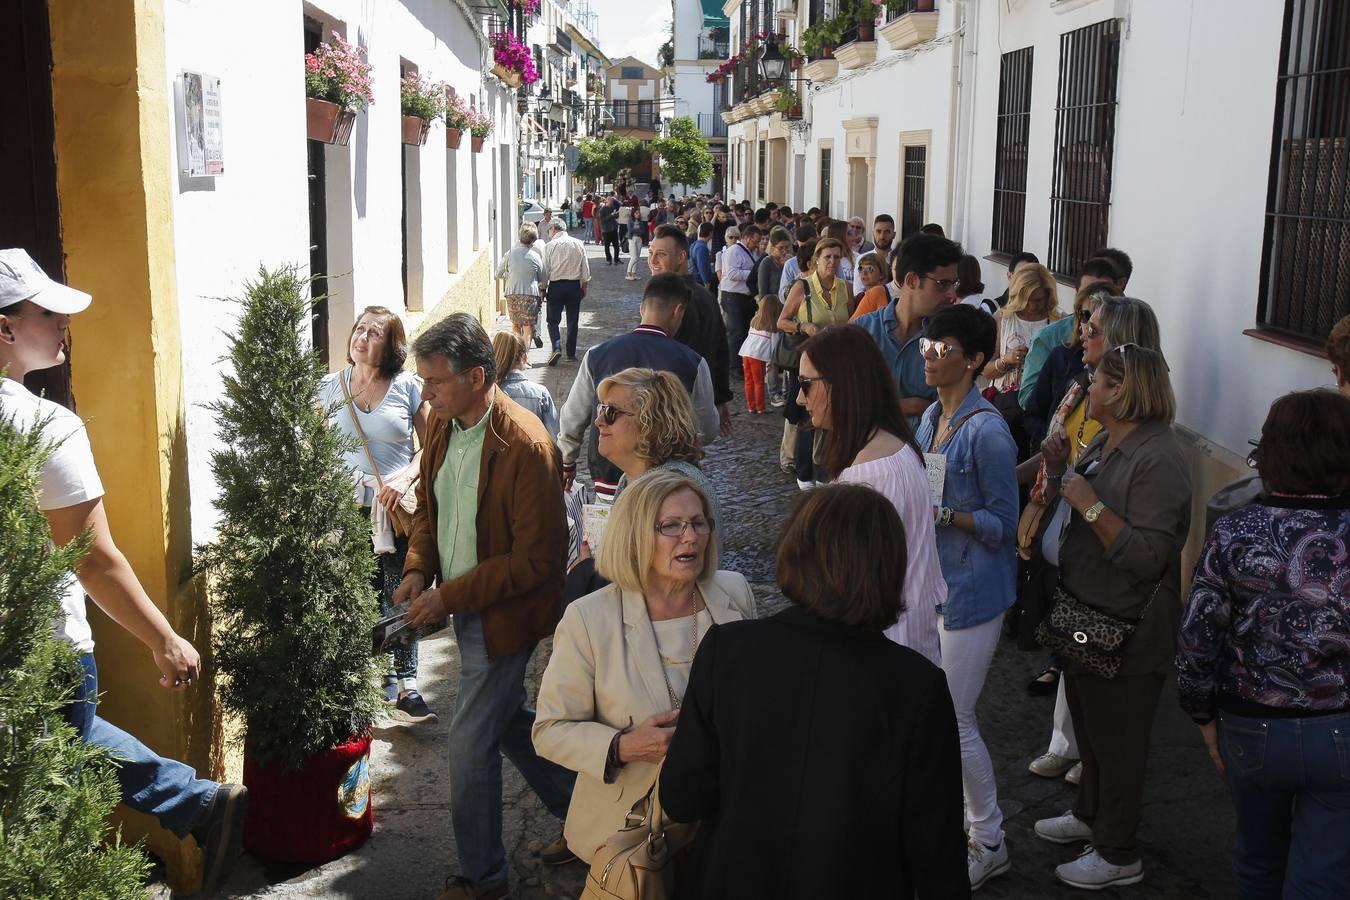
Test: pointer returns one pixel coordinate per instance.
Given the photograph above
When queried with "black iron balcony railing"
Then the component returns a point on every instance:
(905, 7)
(563, 41)
(711, 125)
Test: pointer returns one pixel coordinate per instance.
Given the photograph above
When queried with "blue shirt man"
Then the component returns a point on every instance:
(902, 355)
(700, 259)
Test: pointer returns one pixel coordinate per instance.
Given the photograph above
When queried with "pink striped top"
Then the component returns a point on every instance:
(902, 479)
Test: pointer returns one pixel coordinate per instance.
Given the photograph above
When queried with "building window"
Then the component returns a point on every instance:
(1305, 263)
(630, 73)
(620, 111)
(915, 192)
(1085, 131)
(761, 181)
(644, 114)
(825, 162)
(1010, 155)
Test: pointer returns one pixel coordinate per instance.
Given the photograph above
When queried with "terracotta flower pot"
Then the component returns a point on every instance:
(794, 63)
(476, 144)
(826, 52)
(328, 122)
(452, 138)
(795, 112)
(866, 31)
(312, 814)
(415, 130)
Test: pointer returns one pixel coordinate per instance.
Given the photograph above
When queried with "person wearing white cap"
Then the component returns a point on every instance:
(35, 312)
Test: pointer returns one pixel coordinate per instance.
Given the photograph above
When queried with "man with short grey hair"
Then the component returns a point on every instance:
(490, 532)
(568, 274)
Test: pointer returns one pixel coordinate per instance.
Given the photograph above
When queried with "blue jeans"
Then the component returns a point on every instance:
(164, 788)
(492, 720)
(1290, 780)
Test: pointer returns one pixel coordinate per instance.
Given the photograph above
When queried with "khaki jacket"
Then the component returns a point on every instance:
(605, 675)
(522, 529)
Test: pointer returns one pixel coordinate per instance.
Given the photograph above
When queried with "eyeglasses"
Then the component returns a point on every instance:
(673, 528)
(610, 413)
(940, 348)
(805, 383)
(943, 284)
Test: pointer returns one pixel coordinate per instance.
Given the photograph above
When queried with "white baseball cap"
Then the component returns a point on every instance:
(23, 279)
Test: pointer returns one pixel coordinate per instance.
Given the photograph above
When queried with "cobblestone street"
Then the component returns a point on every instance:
(1187, 821)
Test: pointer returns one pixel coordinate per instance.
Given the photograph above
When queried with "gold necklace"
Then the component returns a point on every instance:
(675, 700)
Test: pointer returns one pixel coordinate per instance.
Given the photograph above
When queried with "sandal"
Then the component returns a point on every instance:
(1045, 683)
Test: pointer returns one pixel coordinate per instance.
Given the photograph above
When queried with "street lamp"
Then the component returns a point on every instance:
(772, 64)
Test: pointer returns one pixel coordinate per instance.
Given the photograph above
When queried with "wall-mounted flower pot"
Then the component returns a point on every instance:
(452, 137)
(509, 77)
(826, 51)
(415, 130)
(476, 144)
(866, 31)
(794, 63)
(795, 112)
(328, 122)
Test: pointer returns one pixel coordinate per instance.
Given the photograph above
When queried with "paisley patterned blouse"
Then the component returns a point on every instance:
(1267, 628)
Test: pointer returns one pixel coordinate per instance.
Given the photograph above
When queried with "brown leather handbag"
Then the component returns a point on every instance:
(638, 862)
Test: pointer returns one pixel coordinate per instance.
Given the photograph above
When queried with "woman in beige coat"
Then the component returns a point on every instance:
(621, 656)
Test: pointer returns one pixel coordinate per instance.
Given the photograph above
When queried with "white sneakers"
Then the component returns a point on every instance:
(1074, 775)
(1065, 829)
(983, 863)
(1051, 765)
(1092, 873)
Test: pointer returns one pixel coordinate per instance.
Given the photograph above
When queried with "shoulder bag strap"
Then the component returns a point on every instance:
(360, 432)
(951, 432)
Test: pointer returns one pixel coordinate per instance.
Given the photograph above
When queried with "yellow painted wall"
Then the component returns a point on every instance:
(113, 179)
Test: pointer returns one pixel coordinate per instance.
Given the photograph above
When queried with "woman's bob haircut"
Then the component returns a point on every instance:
(842, 556)
(667, 429)
(625, 554)
(1305, 444)
(1145, 387)
(395, 339)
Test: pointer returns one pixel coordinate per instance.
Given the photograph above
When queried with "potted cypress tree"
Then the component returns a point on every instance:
(290, 573)
(56, 791)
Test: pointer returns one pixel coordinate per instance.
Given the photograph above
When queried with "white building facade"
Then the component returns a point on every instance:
(700, 42)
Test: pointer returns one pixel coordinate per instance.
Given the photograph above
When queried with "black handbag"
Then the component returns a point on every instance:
(1087, 636)
(789, 349)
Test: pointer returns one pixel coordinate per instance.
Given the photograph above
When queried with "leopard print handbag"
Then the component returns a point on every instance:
(1087, 636)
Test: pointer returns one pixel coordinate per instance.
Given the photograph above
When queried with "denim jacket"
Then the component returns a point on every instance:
(980, 569)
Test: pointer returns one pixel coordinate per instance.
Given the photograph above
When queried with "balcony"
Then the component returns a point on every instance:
(562, 42)
(913, 23)
(858, 47)
(711, 125)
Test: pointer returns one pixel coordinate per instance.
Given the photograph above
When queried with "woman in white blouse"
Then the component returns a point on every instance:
(611, 694)
(849, 392)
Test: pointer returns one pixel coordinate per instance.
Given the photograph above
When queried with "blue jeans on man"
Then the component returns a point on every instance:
(492, 720)
(1290, 780)
(165, 788)
(564, 296)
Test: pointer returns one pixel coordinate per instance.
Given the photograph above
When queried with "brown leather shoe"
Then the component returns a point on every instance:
(457, 887)
(557, 853)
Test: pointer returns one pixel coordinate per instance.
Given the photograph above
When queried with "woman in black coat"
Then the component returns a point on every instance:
(821, 758)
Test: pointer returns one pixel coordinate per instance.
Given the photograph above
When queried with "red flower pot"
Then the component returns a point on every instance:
(328, 122)
(452, 138)
(476, 144)
(415, 130)
(826, 52)
(312, 814)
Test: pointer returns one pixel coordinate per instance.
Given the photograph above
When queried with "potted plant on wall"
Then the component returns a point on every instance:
(794, 56)
(290, 580)
(789, 103)
(456, 120)
(337, 87)
(865, 14)
(421, 101)
(819, 41)
(480, 126)
(512, 60)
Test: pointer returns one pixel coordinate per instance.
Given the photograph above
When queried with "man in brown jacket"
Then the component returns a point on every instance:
(491, 533)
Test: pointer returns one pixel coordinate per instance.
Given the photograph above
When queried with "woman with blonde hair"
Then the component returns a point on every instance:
(510, 351)
(1033, 298)
(611, 695)
(525, 273)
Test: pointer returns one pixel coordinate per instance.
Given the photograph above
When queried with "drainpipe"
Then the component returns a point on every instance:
(961, 112)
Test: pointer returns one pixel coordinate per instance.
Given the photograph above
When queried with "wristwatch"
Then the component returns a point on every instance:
(1093, 512)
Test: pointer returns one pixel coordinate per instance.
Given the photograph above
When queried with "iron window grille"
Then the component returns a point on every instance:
(1085, 132)
(826, 177)
(1010, 155)
(645, 113)
(620, 113)
(761, 182)
(916, 176)
(1305, 263)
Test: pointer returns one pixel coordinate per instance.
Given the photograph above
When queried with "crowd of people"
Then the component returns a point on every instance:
(969, 467)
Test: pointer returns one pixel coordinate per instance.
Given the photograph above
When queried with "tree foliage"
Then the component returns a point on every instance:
(291, 566)
(599, 158)
(685, 158)
(55, 790)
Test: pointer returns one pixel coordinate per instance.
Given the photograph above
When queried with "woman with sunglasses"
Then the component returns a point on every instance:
(1062, 364)
(611, 694)
(847, 390)
(1122, 513)
(969, 443)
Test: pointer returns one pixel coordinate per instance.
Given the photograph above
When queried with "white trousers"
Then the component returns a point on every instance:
(966, 655)
(1062, 740)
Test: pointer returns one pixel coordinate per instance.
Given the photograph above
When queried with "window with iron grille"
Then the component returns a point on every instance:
(1010, 154)
(1085, 133)
(1305, 265)
(760, 180)
(644, 114)
(825, 177)
(916, 176)
(620, 110)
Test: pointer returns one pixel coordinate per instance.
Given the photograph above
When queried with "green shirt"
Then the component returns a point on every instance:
(456, 490)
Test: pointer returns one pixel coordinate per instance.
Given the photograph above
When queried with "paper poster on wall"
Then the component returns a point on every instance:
(201, 151)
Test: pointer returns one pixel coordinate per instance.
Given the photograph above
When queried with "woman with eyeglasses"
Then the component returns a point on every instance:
(847, 390)
(1264, 659)
(611, 695)
(1033, 299)
(1122, 513)
(968, 443)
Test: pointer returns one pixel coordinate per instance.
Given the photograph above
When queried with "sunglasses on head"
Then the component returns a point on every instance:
(940, 348)
(609, 413)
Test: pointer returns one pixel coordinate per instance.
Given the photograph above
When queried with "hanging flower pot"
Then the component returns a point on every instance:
(509, 77)
(328, 122)
(866, 31)
(476, 143)
(312, 814)
(415, 130)
(452, 138)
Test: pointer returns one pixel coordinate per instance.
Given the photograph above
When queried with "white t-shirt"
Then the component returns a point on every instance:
(68, 478)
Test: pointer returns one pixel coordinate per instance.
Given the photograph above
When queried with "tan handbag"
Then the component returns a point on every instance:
(401, 518)
(638, 861)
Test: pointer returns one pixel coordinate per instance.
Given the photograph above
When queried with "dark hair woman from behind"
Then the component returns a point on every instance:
(1263, 662)
(876, 779)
